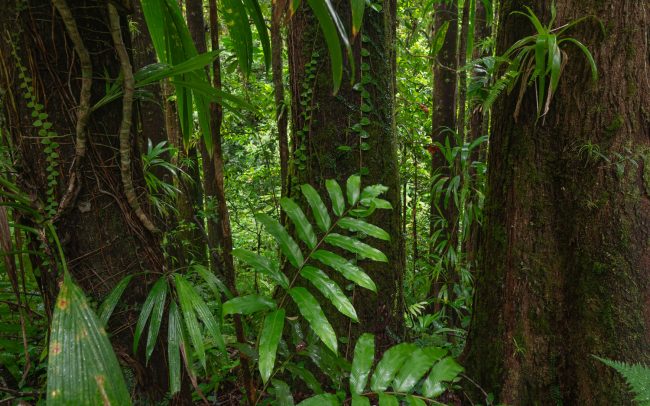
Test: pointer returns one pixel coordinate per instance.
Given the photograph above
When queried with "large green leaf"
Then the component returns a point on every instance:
(357, 15)
(156, 315)
(312, 312)
(174, 339)
(357, 225)
(247, 305)
(255, 12)
(364, 354)
(355, 246)
(318, 208)
(82, 367)
(203, 312)
(336, 196)
(234, 14)
(353, 188)
(269, 340)
(288, 246)
(446, 370)
(415, 367)
(263, 265)
(147, 307)
(108, 305)
(389, 365)
(349, 271)
(386, 399)
(306, 376)
(303, 227)
(329, 29)
(358, 400)
(325, 399)
(330, 290)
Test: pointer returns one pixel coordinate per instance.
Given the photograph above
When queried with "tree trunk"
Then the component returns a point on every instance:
(102, 237)
(281, 113)
(325, 125)
(565, 255)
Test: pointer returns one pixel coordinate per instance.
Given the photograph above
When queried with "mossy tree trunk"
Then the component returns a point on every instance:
(324, 146)
(102, 238)
(564, 269)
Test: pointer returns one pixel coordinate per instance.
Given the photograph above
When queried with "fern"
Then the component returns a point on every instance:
(637, 377)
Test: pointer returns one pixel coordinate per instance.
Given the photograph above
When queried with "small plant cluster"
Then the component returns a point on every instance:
(45, 131)
(307, 107)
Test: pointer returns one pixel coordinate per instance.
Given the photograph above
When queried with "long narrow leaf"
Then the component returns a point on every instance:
(247, 305)
(269, 340)
(303, 227)
(156, 316)
(201, 308)
(312, 312)
(147, 307)
(349, 271)
(108, 305)
(357, 225)
(263, 265)
(318, 208)
(287, 244)
(330, 290)
(174, 338)
(364, 354)
(331, 39)
(355, 246)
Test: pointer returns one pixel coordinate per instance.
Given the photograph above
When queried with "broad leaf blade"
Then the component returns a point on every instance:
(311, 310)
(331, 39)
(336, 196)
(358, 400)
(303, 227)
(192, 324)
(147, 307)
(326, 399)
(108, 305)
(156, 315)
(82, 367)
(318, 208)
(446, 370)
(283, 395)
(387, 400)
(330, 290)
(287, 244)
(357, 225)
(349, 271)
(415, 367)
(247, 305)
(355, 246)
(390, 363)
(364, 354)
(269, 340)
(353, 188)
(202, 311)
(174, 338)
(358, 7)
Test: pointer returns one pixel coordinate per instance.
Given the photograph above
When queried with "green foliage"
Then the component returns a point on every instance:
(637, 377)
(82, 367)
(538, 59)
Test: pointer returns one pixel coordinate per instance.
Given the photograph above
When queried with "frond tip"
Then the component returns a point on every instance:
(637, 377)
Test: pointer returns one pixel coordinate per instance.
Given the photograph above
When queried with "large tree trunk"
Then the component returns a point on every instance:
(318, 132)
(102, 237)
(565, 255)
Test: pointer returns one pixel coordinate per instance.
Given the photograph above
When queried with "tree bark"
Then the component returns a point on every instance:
(565, 255)
(322, 122)
(102, 238)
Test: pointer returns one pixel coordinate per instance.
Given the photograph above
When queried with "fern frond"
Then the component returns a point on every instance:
(499, 86)
(637, 377)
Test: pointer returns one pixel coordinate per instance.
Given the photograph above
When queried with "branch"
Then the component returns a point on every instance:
(83, 113)
(127, 113)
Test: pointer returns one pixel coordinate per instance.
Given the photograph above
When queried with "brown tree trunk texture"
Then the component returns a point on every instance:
(565, 254)
(461, 57)
(281, 110)
(103, 239)
(443, 115)
(328, 127)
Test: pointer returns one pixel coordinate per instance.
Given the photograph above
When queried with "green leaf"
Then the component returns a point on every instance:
(387, 400)
(184, 288)
(214, 283)
(255, 12)
(356, 247)
(349, 271)
(147, 307)
(239, 28)
(353, 187)
(108, 305)
(357, 225)
(413, 401)
(330, 290)
(263, 265)
(283, 395)
(248, 304)
(357, 15)
(174, 339)
(156, 315)
(373, 191)
(303, 227)
(287, 244)
(446, 370)
(306, 376)
(358, 400)
(317, 206)
(336, 195)
(269, 340)
(415, 367)
(389, 365)
(82, 367)
(311, 310)
(585, 51)
(325, 399)
(364, 354)
(330, 33)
